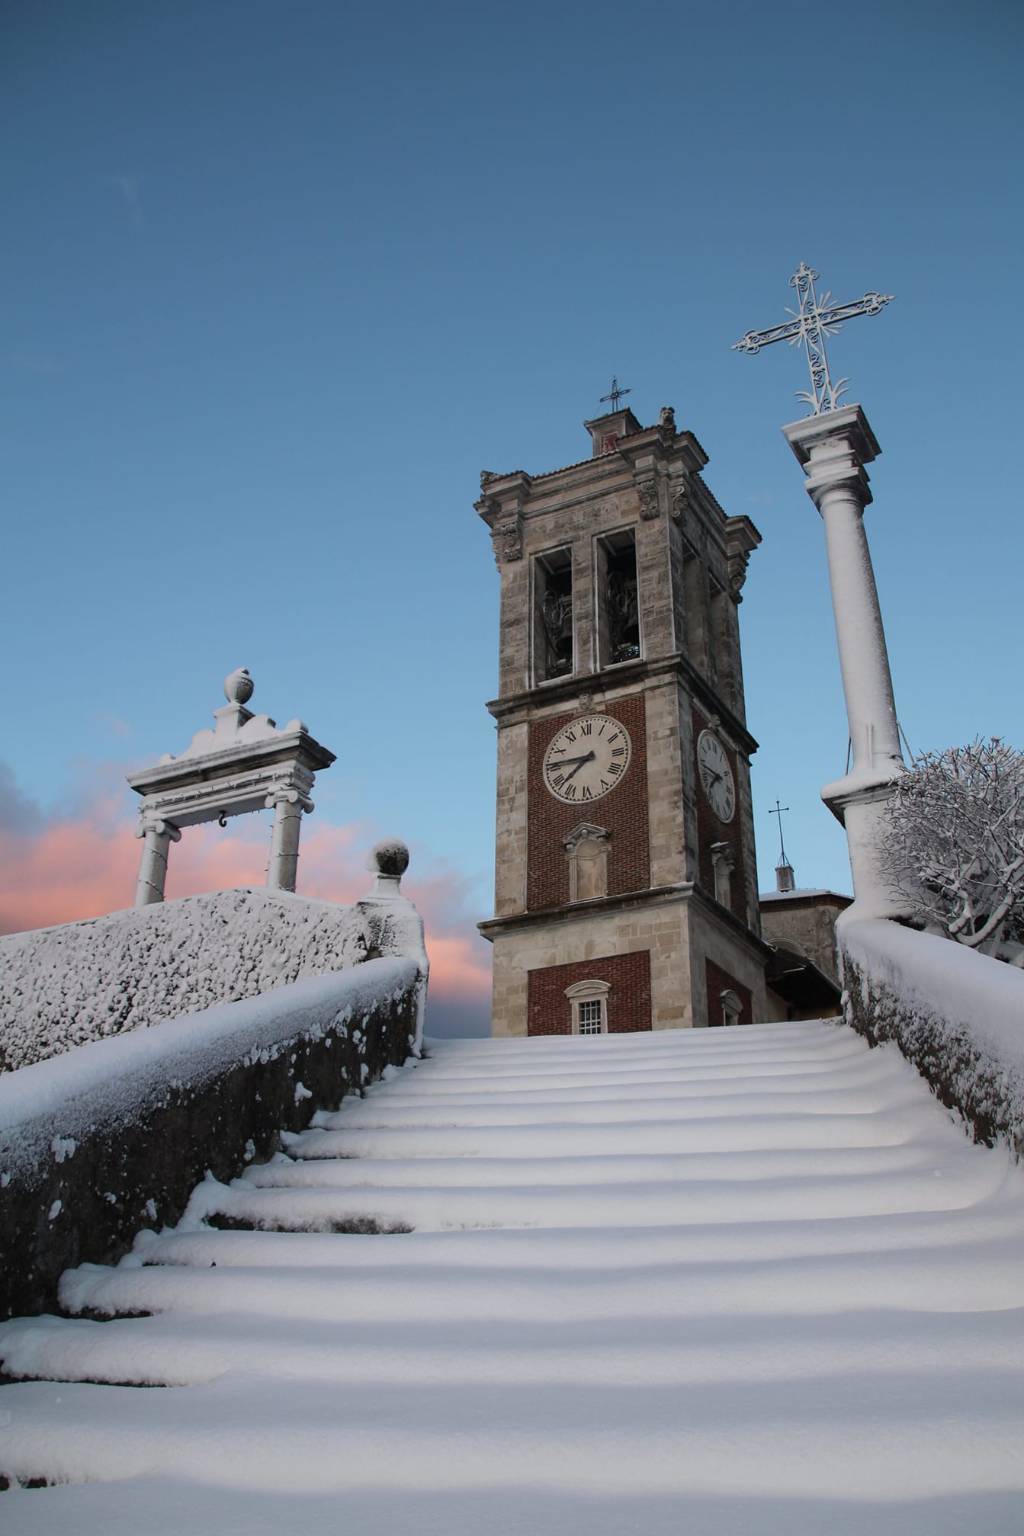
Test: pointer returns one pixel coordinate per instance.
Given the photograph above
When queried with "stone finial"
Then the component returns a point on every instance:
(238, 686)
(389, 861)
(667, 418)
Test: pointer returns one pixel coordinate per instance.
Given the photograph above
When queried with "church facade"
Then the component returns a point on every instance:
(626, 884)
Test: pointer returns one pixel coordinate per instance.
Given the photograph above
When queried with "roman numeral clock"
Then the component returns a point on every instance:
(625, 879)
(586, 759)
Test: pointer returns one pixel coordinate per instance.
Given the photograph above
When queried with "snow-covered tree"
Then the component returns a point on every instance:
(955, 845)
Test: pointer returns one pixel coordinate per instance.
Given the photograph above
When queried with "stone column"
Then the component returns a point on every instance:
(157, 837)
(833, 449)
(284, 841)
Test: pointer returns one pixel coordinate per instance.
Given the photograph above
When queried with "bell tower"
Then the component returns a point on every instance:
(625, 886)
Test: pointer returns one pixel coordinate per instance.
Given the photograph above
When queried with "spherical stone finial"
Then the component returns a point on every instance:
(238, 686)
(390, 857)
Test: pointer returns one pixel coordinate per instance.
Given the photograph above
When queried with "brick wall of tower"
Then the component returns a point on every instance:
(711, 830)
(719, 981)
(549, 1011)
(623, 812)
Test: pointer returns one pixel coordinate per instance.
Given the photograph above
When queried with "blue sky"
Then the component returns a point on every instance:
(280, 280)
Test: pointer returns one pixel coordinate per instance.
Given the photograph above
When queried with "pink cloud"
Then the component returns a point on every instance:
(85, 864)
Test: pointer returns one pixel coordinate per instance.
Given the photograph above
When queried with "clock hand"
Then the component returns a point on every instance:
(579, 764)
(563, 761)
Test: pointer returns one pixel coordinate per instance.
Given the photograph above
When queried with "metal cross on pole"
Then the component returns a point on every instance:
(615, 394)
(810, 324)
(780, 811)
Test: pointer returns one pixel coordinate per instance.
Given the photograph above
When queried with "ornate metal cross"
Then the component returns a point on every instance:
(810, 324)
(615, 394)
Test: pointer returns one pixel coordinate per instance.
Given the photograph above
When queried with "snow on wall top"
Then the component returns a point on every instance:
(948, 981)
(54, 1103)
(81, 981)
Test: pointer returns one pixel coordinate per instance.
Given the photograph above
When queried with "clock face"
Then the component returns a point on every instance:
(716, 775)
(587, 758)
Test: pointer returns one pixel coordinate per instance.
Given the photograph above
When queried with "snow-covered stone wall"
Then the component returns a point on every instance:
(113, 1135)
(83, 981)
(957, 1015)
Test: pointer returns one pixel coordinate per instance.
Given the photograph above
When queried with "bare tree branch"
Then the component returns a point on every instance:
(955, 844)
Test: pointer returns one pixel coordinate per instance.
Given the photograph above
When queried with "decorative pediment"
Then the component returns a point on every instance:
(586, 832)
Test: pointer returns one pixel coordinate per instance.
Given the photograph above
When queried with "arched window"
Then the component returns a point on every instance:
(589, 1001)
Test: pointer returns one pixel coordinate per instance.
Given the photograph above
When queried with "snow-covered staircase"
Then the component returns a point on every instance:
(743, 1281)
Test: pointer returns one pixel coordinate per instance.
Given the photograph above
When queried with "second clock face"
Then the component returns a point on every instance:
(716, 775)
(587, 758)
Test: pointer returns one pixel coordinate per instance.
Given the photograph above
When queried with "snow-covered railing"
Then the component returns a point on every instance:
(113, 1135)
(957, 1015)
(83, 981)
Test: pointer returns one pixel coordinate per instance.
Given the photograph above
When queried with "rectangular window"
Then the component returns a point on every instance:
(590, 1016)
(553, 615)
(718, 659)
(695, 607)
(619, 602)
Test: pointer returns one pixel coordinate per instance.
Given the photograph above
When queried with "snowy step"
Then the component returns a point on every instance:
(605, 1083)
(174, 1349)
(599, 1169)
(822, 1284)
(811, 1435)
(578, 1065)
(812, 1034)
(735, 1132)
(943, 1185)
(857, 1072)
(993, 1222)
(374, 1114)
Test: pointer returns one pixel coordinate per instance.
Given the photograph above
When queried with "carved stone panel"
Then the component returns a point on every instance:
(507, 537)
(586, 848)
(647, 490)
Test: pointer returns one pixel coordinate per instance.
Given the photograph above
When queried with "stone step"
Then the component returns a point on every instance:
(184, 1349)
(807, 1435)
(734, 1132)
(945, 1184)
(599, 1169)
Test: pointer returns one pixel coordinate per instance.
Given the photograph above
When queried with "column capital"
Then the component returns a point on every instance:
(158, 825)
(833, 449)
(287, 794)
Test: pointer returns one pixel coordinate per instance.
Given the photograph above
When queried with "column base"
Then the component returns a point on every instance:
(858, 802)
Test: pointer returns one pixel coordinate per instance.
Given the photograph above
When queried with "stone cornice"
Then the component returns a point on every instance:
(635, 456)
(657, 896)
(284, 746)
(628, 901)
(628, 675)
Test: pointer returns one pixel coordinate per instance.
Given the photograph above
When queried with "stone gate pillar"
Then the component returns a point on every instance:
(157, 837)
(288, 806)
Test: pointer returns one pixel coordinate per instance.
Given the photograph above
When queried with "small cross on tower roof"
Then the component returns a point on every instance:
(615, 394)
